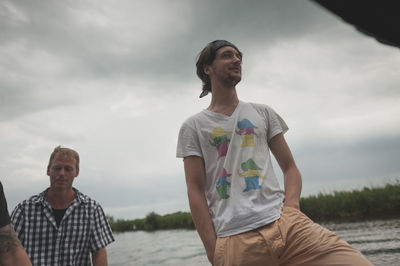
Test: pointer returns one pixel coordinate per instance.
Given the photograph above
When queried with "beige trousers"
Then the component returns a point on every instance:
(291, 240)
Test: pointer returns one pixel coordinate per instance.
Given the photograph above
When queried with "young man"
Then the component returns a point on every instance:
(62, 226)
(241, 214)
(11, 251)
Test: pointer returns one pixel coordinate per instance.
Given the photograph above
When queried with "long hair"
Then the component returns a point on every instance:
(205, 58)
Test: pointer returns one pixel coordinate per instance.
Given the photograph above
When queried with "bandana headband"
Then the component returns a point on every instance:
(221, 43)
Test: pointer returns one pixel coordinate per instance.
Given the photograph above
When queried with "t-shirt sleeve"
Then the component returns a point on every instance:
(101, 233)
(4, 215)
(188, 142)
(276, 124)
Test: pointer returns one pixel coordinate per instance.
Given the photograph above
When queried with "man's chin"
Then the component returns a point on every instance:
(61, 187)
(236, 80)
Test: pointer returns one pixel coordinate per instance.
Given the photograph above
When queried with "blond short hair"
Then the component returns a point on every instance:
(64, 152)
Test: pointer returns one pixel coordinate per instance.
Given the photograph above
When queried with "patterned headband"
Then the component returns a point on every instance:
(221, 43)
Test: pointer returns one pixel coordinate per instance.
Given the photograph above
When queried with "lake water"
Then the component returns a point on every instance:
(379, 241)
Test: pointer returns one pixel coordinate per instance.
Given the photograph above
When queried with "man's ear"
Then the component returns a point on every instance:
(207, 69)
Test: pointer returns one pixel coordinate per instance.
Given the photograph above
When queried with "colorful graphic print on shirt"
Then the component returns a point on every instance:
(251, 175)
(220, 140)
(222, 184)
(246, 131)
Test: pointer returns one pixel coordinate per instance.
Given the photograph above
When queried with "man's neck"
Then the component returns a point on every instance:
(60, 199)
(223, 100)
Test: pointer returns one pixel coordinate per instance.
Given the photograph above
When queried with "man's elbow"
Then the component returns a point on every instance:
(99, 257)
(15, 257)
(195, 192)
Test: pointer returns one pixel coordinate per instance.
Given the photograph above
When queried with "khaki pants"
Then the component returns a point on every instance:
(291, 240)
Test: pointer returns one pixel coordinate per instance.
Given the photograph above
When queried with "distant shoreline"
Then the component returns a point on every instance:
(375, 203)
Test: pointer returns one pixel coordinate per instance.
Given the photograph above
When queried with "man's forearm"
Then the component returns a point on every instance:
(292, 177)
(8, 239)
(11, 250)
(202, 220)
(99, 257)
(195, 180)
(293, 184)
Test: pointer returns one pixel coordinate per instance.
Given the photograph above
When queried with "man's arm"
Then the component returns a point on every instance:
(101, 236)
(292, 177)
(196, 180)
(11, 251)
(99, 257)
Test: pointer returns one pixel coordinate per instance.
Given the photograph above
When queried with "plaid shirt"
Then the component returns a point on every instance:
(83, 229)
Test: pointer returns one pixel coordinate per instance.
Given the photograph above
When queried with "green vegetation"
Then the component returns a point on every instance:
(356, 205)
(153, 221)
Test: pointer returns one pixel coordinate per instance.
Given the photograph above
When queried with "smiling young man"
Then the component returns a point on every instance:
(62, 226)
(241, 214)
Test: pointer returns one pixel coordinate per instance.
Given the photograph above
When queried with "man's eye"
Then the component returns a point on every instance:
(68, 169)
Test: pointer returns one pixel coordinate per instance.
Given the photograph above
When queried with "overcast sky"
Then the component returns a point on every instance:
(116, 79)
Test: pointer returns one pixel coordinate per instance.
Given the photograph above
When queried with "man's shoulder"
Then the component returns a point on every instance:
(85, 199)
(191, 120)
(260, 106)
(37, 198)
(28, 205)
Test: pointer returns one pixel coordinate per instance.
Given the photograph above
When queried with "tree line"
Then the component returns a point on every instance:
(357, 205)
(339, 206)
(153, 221)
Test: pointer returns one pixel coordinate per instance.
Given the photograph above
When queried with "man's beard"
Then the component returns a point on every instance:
(227, 79)
(233, 80)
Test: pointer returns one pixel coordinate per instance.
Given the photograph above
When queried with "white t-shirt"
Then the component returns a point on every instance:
(242, 190)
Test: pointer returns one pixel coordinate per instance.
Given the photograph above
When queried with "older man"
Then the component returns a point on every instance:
(62, 226)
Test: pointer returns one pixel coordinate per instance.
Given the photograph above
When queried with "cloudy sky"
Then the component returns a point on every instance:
(116, 79)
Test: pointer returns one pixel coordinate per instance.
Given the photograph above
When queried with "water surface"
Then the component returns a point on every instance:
(379, 241)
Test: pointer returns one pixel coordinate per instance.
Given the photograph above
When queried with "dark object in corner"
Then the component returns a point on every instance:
(379, 19)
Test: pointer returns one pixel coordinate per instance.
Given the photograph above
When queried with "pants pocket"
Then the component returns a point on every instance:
(274, 237)
(219, 252)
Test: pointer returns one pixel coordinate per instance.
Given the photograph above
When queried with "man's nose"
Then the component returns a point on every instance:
(62, 171)
(237, 59)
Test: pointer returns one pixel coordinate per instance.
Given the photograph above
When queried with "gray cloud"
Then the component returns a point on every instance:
(101, 40)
